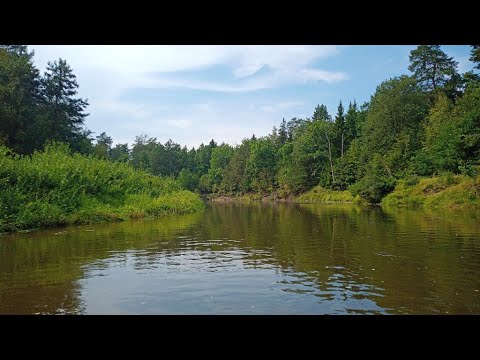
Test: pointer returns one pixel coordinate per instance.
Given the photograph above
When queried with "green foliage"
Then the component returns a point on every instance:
(373, 187)
(376, 183)
(432, 68)
(291, 175)
(34, 109)
(103, 147)
(219, 161)
(64, 113)
(340, 130)
(446, 191)
(475, 55)
(321, 114)
(321, 195)
(120, 153)
(282, 133)
(427, 124)
(19, 94)
(351, 123)
(55, 187)
(412, 180)
(452, 138)
(441, 136)
(236, 179)
(262, 165)
(187, 179)
(392, 128)
(205, 184)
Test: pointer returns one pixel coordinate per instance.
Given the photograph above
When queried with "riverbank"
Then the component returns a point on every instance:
(315, 195)
(55, 188)
(444, 192)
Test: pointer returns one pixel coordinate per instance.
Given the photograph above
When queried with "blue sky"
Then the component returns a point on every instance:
(191, 94)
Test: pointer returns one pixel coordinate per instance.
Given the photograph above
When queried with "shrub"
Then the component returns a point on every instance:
(54, 187)
(373, 187)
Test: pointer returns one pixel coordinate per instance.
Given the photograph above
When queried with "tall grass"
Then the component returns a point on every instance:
(321, 195)
(446, 191)
(54, 187)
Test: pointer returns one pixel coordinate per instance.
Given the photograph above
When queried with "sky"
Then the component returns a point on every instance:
(192, 94)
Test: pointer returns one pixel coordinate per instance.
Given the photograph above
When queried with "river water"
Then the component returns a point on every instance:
(260, 258)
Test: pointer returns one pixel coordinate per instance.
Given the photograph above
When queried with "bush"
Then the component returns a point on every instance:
(373, 188)
(412, 180)
(54, 187)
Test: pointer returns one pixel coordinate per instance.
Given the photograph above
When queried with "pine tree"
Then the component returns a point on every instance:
(321, 113)
(475, 55)
(20, 118)
(432, 68)
(282, 133)
(65, 113)
(340, 128)
(351, 122)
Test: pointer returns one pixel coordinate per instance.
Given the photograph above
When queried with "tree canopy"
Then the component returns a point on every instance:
(418, 125)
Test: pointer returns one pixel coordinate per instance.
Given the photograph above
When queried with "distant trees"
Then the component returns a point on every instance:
(103, 147)
(418, 125)
(413, 125)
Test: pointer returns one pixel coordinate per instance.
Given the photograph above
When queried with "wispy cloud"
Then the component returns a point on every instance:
(181, 124)
(133, 66)
(107, 73)
(279, 106)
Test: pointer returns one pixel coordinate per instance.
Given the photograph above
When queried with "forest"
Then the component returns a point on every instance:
(419, 134)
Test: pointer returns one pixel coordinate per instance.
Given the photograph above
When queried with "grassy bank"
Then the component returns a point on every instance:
(443, 192)
(321, 195)
(54, 187)
(447, 192)
(315, 195)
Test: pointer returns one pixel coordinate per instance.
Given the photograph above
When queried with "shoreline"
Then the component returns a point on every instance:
(457, 192)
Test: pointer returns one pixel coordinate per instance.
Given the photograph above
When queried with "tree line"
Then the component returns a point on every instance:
(422, 124)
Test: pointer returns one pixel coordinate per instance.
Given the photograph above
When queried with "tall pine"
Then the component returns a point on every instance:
(65, 113)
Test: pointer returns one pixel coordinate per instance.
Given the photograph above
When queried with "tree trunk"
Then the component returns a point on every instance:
(330, 158)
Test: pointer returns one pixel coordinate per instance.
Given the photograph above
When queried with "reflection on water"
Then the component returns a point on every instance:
(250, 259)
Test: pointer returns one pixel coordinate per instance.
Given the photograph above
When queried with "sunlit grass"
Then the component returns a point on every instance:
(54, 187)
(321, 195)
(447, 191)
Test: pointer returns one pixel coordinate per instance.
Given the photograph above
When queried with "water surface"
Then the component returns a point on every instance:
(250, 259)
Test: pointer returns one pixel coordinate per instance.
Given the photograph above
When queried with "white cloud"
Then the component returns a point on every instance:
(283, 105)
(105, 73)
(321, 75)
(132, 66)
(181, 124)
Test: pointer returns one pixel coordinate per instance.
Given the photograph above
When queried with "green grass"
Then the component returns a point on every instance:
(321, 195)
(54, 187)
(447, 191)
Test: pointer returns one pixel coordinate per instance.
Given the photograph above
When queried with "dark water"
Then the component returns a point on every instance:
(250, 259)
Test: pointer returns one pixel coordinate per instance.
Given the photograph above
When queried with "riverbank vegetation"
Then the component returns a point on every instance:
(416, 129)
(54, 187)
(446, 191)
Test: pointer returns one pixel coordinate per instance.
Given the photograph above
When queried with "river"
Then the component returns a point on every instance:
(260, 258)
